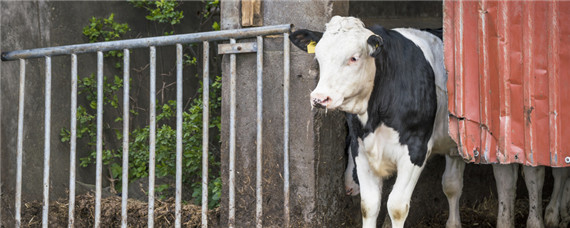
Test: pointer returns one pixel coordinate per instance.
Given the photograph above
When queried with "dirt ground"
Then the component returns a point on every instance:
(111, 213)
(484, 214)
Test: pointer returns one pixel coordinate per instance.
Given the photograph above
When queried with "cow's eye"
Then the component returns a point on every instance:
(353, 59)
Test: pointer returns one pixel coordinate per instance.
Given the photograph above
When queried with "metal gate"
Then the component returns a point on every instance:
(73, 50)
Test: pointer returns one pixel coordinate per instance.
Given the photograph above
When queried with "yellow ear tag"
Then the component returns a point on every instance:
(311, 47)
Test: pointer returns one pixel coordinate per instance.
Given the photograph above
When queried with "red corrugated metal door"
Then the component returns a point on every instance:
(509, 80)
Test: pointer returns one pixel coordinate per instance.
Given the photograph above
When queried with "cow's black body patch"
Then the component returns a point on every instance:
(354, 126)
(403, 97)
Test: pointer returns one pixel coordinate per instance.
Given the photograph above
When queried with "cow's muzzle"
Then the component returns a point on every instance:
(320, 101)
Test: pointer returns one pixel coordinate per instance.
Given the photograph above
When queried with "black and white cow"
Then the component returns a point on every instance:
(392, 85)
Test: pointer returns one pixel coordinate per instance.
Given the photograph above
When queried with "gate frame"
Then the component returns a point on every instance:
(151, 43)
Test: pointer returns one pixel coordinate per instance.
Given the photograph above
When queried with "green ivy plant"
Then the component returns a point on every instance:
(163, 11)
(107, 29)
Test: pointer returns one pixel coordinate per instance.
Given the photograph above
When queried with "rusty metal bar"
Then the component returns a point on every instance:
(528, 82)
(152, 137)
(178, 200)
(232, 155)
(47, 127)
(286, 74)
(504, 78)
(125, 171)
(554, 83)
(72, 142)
(259, 163)
(99, 158)
(146, 42)
(20, 142)
(205, 128)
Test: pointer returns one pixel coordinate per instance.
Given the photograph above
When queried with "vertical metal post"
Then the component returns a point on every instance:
(178, 201)
(20, 142)
(72, 142)
(286, 73)
(232, 189)
(152, 135)
(99, 162)
(205, 128)
(259, 164)
(125, 172)
(47, 124)
(0, 119)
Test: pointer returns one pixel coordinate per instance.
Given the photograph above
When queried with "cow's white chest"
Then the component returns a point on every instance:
(383, 150)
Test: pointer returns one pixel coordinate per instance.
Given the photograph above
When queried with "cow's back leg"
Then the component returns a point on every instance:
(564, 204)
(551, 214)
(399, 199)
(534, 179)
(452, 183)
(506, 179)
(370, 191)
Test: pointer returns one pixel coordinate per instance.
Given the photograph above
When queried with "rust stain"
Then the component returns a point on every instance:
(528, 112)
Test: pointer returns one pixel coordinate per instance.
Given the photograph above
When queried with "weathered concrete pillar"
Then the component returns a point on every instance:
(316, 141)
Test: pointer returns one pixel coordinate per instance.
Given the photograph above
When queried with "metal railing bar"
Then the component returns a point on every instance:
(99, 158)
(1, 206)
(178, 201)
(72, 142)
(259, 151)
(146, 42)
(125, 171)
(47, 126)
(286, 68)
(205, 128)
(231, 204)
(152, 137)
(20, 142)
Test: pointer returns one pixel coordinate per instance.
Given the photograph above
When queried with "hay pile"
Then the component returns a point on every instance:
(164, 215)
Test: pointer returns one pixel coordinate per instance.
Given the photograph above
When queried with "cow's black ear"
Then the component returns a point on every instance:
(303, 37)
(375, 42)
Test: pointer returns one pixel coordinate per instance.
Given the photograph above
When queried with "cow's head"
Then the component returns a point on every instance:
(345, 53)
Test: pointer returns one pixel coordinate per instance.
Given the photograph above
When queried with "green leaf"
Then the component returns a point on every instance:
(215, 26)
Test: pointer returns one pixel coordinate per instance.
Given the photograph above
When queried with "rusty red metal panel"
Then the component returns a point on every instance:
(508, 80)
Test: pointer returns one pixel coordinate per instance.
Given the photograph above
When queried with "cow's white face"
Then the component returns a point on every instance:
(346, 68)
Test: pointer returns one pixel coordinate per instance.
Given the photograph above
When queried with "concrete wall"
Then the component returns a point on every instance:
(36, 24)
(316, 155)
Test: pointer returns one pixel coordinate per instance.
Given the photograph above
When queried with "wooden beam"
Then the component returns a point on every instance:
(251, 13)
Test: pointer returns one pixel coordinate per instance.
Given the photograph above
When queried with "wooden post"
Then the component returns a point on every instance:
(251, 13)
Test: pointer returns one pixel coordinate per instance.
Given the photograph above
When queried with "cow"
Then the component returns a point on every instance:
(556, 213)
(392, 85)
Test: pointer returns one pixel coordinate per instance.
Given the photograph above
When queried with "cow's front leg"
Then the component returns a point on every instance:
(452, 183)
(399, 199)
(506, 179)
(370, 191)
(534, 179)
